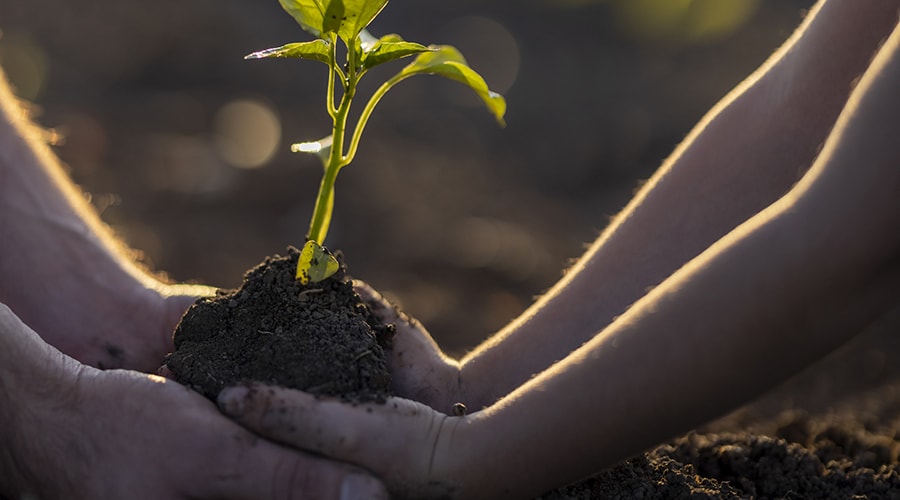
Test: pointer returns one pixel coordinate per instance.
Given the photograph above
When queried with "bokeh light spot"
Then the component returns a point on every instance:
(651, 18)
(713, 19)
(25, 64)
(247, 133)
(686, 21)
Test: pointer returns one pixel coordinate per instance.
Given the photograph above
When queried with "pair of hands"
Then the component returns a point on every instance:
(122, 433)
(407, 442)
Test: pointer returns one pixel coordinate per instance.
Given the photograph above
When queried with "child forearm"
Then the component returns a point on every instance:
(746, 153)
(774, 295)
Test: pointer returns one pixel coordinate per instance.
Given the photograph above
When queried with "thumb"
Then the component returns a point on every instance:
(177, 299)
(180, 297)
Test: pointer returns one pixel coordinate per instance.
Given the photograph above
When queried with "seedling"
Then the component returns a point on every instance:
(328, 21)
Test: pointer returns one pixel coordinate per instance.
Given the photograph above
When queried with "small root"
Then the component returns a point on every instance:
(363, 354)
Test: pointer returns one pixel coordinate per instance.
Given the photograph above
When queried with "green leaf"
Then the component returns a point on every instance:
(446, 61)
(316, 50)
(344, 17)
(315, 263)
(310, 14)
(357, 14)
(390, 48)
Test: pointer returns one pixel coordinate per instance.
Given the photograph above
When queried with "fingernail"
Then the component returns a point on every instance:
(231, 400)
(358, 486)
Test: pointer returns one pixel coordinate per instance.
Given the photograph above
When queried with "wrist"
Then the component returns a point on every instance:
(458, 466)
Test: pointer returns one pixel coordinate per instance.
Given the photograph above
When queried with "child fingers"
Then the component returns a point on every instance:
(355, 433)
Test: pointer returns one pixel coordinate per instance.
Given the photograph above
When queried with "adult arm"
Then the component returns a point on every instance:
(62, 271)
(773, 295)
(70, 431)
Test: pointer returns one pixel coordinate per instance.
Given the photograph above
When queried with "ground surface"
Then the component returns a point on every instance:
(471, 221)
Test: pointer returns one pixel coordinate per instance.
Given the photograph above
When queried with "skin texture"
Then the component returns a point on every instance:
(56, 251)
(72, 431)
(780, 265)
(746, 153)
(420, 371)
(69, 430)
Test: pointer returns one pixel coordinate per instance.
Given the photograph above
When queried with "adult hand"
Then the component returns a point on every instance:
(62, 270)
(130, 327)
(417, 451)
(420, 371)
(71, 431)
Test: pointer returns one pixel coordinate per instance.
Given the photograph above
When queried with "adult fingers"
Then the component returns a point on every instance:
(265, 470)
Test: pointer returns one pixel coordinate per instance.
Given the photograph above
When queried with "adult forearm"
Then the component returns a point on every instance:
(44, 216)
(745, 154)
(61, 270)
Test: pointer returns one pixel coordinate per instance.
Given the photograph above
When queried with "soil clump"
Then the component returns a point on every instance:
(319, 338)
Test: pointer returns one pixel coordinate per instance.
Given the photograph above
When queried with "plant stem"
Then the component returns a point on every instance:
(329, 99)
(318, 227)
(321, 218)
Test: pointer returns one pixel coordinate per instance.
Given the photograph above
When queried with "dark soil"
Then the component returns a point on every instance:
(806, 458)
(319, 338)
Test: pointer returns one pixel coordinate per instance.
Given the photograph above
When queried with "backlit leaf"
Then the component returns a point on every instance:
(344, 17)
(320, 148)
(310, 14)
(446, 61)
(316, 50)
(357, 15)
(315, 263)
(390, 48)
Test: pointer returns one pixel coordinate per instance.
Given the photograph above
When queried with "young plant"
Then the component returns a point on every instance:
(346, 20)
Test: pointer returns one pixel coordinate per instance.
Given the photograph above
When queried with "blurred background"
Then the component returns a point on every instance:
(184, 147)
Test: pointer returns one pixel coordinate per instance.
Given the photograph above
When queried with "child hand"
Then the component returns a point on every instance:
(407, 444)
(419, 369)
